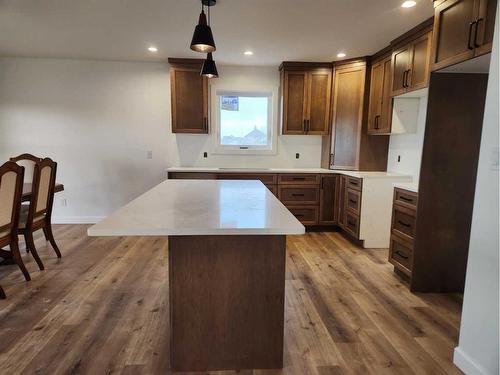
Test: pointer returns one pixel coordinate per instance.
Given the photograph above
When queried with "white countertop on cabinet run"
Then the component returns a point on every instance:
(356, 174)
(411, 186)
(201, 207)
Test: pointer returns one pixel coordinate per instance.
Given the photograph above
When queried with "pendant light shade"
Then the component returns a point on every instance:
(209, 69)
(203, 39)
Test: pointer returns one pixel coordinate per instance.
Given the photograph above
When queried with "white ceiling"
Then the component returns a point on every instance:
(276, 30)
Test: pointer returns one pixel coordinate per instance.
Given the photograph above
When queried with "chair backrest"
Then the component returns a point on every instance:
(11, 191)
(28, 161)
(42, 193)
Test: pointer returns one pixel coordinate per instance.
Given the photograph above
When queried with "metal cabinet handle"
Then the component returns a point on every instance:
(476, 44)
(377, 118)
(353, 201)
(404, 78)
(298, 178)
(407, 77)
(401, 255)
(471, 25)
(297, 195)
(405, 199)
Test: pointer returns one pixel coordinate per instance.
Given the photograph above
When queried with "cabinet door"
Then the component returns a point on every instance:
(327, 200)
(341, 200)
(483, 39)
(320, 87)
(453, 29)
(376, 93)
(418, 75)
(349, 87)
(385, 123)
(294, 102)
(189, 101)
(400, 64)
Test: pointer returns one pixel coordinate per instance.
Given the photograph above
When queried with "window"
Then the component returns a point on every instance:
(244, 122)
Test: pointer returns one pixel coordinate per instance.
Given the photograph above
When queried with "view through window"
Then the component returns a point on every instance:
(244, 121)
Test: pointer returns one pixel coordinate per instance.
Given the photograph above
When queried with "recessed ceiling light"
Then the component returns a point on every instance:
(248, 53)
(409, 4)
(341, 54)
(152, 49)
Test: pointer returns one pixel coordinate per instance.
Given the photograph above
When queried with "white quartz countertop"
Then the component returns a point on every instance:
(201, 207)
(410, 186)
(356, 174)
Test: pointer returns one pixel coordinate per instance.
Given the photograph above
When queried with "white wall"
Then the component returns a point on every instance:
(98, 120)
(477, 352)
(409, 145)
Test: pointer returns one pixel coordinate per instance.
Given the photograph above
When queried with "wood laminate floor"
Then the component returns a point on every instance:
(103, 309)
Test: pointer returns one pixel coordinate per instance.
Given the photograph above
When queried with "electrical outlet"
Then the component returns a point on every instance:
(399, 158)
(297, 155)
(149, 154)
(205, 154)
(64, 202)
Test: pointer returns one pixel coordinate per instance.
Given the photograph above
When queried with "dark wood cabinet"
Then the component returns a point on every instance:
(403, 228)
(189, 97)
(305, 98)
(328, 199)
(350, 147)
(349, 204)
(410, 64)
(380, 106)
(463, 29)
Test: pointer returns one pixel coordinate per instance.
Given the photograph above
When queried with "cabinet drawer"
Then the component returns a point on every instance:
(400, 254)
(266, 178)
(307, 215)
(299, 194)
(354, 183)
(273, 189)
(404, 222)
(353, 201)
(351, 224)
(191, 176)
(299, 179)
(405, 198)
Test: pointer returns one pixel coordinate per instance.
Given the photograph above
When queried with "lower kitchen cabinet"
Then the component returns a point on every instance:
(403, 227)
(328, 202)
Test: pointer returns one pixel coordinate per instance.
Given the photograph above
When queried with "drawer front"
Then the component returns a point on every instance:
(354, 183)
(299, 179)
(404, 222)
(266, 178)
(400, 254)
(353, 201)
(299, 194)
(307, 215)
(351, 224)
(273, 189)
(191, 176)
(405, 198)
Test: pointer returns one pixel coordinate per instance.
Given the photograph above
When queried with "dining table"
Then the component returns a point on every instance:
(27, 191)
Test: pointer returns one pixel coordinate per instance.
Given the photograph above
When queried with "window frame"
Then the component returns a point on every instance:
(269, 149)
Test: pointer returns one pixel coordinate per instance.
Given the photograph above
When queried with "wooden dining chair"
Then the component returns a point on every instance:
(37, 215)
(27, 161)
(11, 190)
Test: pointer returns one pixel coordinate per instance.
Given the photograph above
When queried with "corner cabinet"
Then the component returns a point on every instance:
(463, 29)
(189, 96)
(380, 106)
(411, 65)
(305, 94)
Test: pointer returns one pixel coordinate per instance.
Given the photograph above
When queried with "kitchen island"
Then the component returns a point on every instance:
(227, 242)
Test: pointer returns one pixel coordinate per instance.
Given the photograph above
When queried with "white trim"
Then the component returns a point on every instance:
(466, 364)
(76, 219)
(251, 150)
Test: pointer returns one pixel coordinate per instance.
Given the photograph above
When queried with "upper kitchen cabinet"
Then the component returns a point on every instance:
(463, 29)
(305, 97)
(189, 96)
(350, 146)
(380, 106)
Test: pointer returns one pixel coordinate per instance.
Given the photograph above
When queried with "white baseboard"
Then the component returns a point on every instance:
(76, 219)
(466, 364)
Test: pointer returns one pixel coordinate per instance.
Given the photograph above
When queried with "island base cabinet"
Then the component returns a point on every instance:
(227, 302)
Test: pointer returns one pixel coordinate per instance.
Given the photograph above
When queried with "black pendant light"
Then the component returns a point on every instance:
(203, 39)
(209, 69)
